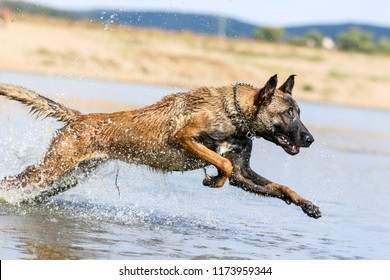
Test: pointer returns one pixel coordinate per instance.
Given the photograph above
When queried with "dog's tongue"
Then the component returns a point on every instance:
(296, 148)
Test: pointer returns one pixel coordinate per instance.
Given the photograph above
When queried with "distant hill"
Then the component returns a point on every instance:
(197, 23)
(204, 24)
(28, 8)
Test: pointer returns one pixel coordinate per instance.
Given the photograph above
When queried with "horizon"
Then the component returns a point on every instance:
(295, 13)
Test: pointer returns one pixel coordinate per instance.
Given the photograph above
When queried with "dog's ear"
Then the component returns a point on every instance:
(265, 94)
(288, 85)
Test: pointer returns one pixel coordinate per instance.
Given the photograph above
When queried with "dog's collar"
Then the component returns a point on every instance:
(250, 134)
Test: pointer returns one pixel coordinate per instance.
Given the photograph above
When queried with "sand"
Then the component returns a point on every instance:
(89, 50)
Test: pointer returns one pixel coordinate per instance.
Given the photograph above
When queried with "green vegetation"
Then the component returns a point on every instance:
(337, 74)
(383, 45)
(307, 88)
(359, 40)
(313, 38)
(356, 39)
(268, 33)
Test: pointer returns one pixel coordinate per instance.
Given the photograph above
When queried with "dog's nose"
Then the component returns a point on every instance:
(309, 139)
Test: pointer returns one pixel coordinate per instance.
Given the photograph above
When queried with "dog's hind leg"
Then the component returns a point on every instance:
(45, 174)
(51, 188)
(64, 155)
(69, 180)
(31, 175)
(244, 177)
(53, 166)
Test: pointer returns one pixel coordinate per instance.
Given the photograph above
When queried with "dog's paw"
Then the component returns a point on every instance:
(311, 210)
(209, 181)
(213, 181)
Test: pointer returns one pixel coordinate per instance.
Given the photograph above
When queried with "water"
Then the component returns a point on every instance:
(150, 215)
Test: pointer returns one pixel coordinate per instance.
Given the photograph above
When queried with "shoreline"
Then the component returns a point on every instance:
(83, 50)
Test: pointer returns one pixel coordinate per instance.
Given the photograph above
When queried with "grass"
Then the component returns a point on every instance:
(307, 88)
(336, 74)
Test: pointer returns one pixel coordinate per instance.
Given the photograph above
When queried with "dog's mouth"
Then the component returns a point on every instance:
(287, 144)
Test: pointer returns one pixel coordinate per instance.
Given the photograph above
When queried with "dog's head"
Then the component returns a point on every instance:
(278, 117)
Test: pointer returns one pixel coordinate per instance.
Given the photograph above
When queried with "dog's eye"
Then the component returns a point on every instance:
(289, 112)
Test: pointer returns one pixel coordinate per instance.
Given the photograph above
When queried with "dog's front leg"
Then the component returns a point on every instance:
(186, 138)
(244, 177)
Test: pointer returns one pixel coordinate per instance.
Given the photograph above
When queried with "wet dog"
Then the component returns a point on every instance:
(184, 131)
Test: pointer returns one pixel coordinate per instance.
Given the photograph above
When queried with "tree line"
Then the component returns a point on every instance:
(354, 39)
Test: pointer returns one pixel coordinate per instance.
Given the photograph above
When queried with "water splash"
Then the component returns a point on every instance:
(109, 21)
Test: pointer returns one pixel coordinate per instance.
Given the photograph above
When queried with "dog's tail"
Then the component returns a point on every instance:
(39, 104)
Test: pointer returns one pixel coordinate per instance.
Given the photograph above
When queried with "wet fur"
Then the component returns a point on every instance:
(184, 131)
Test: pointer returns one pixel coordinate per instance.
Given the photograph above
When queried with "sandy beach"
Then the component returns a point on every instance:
(108, 52)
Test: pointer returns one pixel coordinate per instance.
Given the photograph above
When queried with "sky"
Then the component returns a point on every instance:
(269, 12)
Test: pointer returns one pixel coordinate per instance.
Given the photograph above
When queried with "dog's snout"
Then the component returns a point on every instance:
(308, 139)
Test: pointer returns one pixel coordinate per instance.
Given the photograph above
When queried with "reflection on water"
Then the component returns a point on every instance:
(172, 216)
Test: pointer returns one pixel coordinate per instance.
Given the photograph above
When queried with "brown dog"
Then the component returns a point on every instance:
(184, 131)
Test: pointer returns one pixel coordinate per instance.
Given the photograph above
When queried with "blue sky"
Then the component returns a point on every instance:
(271, 12)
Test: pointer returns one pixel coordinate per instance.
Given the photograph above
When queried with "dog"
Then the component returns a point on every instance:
(184, 131)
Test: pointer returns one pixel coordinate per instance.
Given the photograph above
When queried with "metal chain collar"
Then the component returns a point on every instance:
(250, 134)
